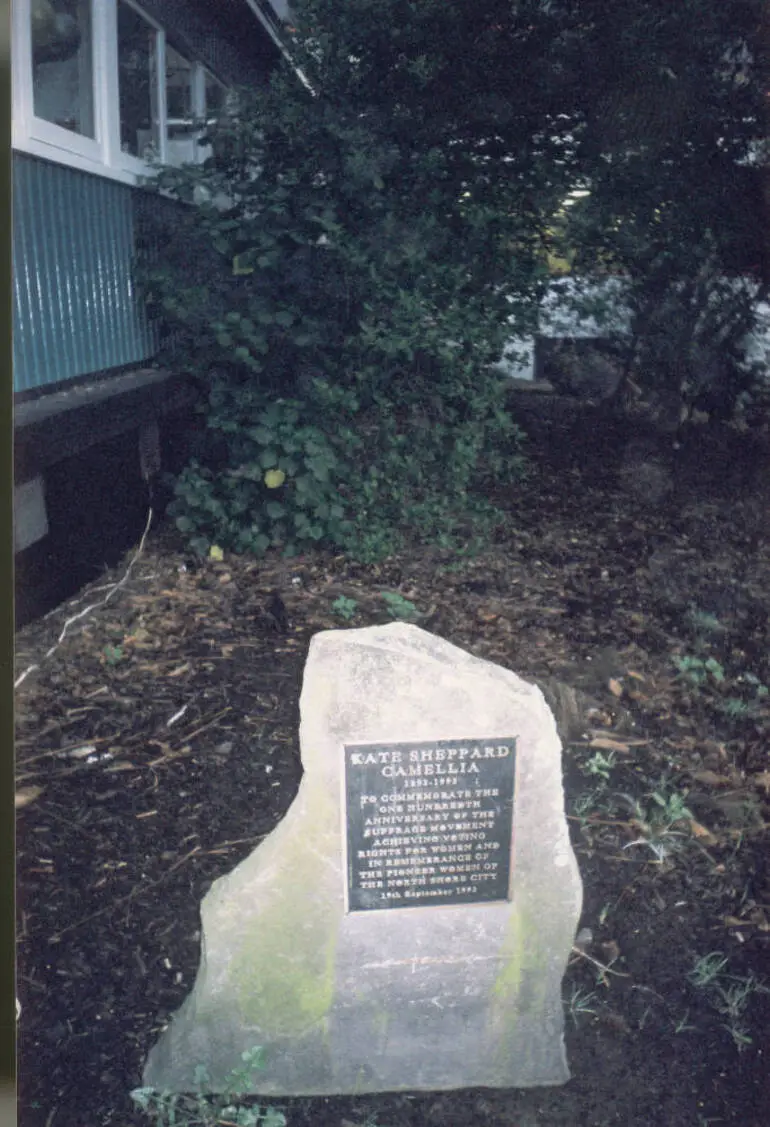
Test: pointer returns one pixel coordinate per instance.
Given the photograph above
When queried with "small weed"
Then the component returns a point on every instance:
(399, 607)
(584, 805)
(707, 969)
(113, 654)
(734, 708)
(671, 808)
(733, 1000)
(739, 1034)
(729, 994)
(754, 694)
(657, 822)
(581, 1002)
(683, 1026)
(760, 690)
(344, 607)
(599, 764)
(176, 1109)
(697, 671)
(704, 622)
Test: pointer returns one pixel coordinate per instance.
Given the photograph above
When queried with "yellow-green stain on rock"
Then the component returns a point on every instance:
(512, 992)
(283, 971)
(508, 981)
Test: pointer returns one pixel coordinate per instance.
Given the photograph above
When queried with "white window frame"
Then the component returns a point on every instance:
(101, 154)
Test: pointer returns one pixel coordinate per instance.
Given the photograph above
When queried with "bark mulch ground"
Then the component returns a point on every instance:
(157, 746)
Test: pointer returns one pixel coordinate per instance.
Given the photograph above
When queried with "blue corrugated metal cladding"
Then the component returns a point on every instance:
(76, 308)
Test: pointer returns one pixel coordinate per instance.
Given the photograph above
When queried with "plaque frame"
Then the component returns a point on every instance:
(448, 804)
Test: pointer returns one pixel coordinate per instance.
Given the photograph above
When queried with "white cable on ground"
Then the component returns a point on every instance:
(92, 606)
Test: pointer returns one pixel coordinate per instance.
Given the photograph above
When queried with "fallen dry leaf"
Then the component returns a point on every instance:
(596, 734)
(756, 918)
(486, 615)
(703, 835)
(759, 919)
(139, 635)
(615, 687)
(606, 744)
(180, 669)
(25, 795)
(713, 779)
(762, 780)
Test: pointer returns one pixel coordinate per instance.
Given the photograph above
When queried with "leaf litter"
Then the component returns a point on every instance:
(157, 745)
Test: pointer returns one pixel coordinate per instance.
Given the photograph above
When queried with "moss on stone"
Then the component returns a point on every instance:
(508, 981)
(283, 971)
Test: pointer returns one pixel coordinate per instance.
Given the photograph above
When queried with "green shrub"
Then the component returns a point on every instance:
(350, 292)
(297, 473)
(279, 486)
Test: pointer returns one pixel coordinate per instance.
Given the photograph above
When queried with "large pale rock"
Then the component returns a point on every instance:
(432, 995)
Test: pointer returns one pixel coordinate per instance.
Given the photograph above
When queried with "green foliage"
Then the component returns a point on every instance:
(703, 622)
(313, 471)
(279, 487)
(359, 247)
(735, 708)
(344, 607)
(399, 607)
(586, 804)
(113, 654)
(698, 670)
(754, 695)
(657, 822)
(599, 764)
(747, 694)
(176, 1109)
(353, 252)
(728, 993)
(581, 1003)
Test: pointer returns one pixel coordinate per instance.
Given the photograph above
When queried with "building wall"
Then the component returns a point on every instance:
(75, 306)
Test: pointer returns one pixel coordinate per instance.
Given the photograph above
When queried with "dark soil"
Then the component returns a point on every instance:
(157, 745)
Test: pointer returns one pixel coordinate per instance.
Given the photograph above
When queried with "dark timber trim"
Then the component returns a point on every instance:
(65, 423)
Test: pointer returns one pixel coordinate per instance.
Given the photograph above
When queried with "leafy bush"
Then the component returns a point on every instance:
(341, 294)
(365, 484)
(278, 486)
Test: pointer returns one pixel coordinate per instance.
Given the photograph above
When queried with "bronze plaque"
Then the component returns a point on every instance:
(429, 823)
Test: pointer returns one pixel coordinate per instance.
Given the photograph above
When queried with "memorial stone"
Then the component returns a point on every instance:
(407, 924)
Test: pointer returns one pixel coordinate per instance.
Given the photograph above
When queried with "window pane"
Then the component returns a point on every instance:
(182, 128)
(179, 97)
(138, 83)
(62, 66)
(215, 96)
